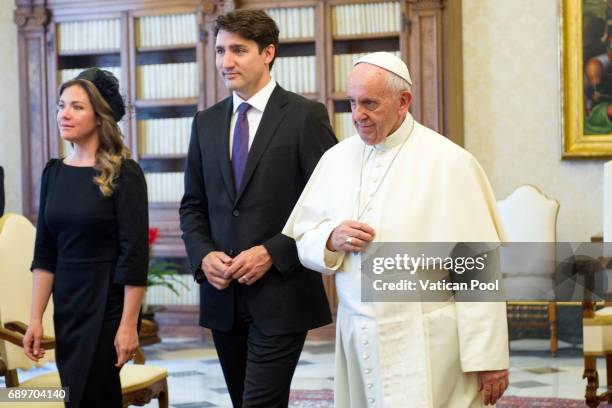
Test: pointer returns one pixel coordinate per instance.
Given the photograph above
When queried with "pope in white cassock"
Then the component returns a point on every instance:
(401, 182)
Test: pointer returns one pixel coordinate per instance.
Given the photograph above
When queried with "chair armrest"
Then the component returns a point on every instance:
(13, 332)
(139, 358)
(19, 327)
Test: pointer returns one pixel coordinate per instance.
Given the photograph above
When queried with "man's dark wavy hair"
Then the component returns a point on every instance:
(253, 25)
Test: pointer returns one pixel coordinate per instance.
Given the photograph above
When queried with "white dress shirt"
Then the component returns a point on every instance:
(258, 104)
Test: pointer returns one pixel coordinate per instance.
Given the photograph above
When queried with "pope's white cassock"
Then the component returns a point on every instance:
(416, 186)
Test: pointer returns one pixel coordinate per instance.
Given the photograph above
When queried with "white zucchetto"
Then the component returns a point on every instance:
(387, 61)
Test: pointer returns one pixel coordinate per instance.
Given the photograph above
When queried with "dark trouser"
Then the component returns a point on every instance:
(257, 368)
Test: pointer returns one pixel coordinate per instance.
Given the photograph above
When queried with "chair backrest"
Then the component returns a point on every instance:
(17, 237)
(528, 215)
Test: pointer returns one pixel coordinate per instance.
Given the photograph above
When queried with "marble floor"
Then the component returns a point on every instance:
(195, 378)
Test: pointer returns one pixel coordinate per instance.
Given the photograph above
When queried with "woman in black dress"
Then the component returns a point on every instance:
(91, 245)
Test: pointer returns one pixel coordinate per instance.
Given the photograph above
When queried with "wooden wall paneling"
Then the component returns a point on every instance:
(202, 62)
(31, 18)
(426, 62)
(65, 8)
(328, 58)
(129, 62)
(126, 38)
(453, 71)
(320, 51)
(52, 75)
(404, 38)
(215, 88)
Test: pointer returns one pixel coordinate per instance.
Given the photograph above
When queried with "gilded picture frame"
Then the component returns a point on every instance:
(587, 78)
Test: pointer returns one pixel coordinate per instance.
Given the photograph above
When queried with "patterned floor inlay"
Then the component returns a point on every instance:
(196, 381)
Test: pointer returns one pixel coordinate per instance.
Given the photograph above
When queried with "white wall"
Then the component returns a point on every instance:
(512, 102)
(10, 141)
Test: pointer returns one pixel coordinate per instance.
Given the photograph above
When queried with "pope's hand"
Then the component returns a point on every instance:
(492, 384)
(350, 236)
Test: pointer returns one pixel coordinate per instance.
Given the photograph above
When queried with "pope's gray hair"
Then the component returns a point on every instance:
(396, 84)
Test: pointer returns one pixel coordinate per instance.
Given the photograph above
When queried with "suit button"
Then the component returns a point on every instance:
(231, 252)
(236, 213)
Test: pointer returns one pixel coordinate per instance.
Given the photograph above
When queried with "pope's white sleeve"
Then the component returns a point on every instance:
(310, 225)
(482, 326)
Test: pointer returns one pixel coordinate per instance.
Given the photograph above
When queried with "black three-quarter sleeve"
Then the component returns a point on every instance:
(45, 247)
(131, 212)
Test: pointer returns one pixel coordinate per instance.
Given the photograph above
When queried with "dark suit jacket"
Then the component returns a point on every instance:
(292, 135)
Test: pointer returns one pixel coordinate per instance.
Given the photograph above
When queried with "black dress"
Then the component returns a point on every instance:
(94, 245)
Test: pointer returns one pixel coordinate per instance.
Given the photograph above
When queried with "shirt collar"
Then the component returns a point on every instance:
(257, 101)
(399, 136)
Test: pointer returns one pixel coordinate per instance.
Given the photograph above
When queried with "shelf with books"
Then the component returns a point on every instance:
(367, 36)
(167, 48)
(165, 30)
(88, 36)
(82, 53)
(168, 102)
(365, 44)
(297, 66)
(294, 22)
(297, 40)
(152, 157)
(89, 60)
(342, 120)
(369, 18)
(163, 138)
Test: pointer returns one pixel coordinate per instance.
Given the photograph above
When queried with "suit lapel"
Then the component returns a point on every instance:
(272, 117)
(221, 134)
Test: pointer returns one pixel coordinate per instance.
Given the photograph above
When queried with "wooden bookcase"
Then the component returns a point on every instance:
(428, 37)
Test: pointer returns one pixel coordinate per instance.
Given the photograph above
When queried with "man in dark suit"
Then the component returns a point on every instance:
(249, 158)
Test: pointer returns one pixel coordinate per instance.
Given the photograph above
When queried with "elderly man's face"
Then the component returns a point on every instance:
(377, 112)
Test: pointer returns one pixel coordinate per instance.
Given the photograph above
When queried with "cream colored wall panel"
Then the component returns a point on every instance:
(10, 141)
(512, 109)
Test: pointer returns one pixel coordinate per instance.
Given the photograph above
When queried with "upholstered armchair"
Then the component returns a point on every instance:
(528, 215)
(140, 383)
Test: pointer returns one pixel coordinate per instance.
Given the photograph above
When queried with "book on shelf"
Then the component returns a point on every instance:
(342, 67)
(188, 293)
(166, 30)
(294, 22)
(343, 125)
(368, 18)
(169, 136)
(296, 74)
(75, 36)
(164, 81)
(165, 187)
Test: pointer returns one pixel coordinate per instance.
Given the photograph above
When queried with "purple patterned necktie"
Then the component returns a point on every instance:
(240, 148)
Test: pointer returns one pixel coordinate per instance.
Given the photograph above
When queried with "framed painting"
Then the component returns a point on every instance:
(587, 78)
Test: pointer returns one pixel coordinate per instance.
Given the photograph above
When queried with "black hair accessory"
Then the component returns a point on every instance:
(108, 86)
